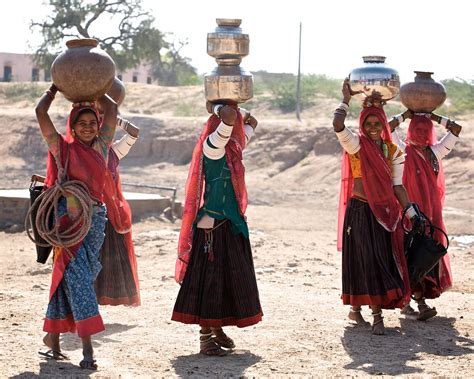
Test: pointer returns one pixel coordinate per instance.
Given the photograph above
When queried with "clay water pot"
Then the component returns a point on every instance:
(375, 78)
(228, 82)
(424, 94)
(117, 91)
(83, 72)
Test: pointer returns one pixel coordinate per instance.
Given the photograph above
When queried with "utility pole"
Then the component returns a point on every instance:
(298, 83)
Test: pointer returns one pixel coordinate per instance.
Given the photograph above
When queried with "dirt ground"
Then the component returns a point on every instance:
(292, 175)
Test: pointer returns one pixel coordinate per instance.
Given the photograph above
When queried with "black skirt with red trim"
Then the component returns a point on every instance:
(370, 275)
(219, 288)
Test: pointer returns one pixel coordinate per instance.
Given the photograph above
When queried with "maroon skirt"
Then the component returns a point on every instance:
(219, 289)
(115, 284)
(370, 275)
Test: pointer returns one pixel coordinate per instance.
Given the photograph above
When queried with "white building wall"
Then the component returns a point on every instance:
(22, 66)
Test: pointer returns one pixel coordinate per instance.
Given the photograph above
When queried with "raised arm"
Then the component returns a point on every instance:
(107, 130)
(250, 123)
(49, 132)
(123, 146)
(215, 143)
(444, 146)
(348, 140)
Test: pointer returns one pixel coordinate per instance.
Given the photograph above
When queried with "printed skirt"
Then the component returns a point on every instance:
(220, 287)
(370, 275)
(116, 284)
(73, 305)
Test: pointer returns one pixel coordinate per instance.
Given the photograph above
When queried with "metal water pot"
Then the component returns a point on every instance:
(375, 78)
(424, 94)
(228, 82)
(83, 72)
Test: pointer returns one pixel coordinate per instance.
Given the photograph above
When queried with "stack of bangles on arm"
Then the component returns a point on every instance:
(399, 117)
(342, 109)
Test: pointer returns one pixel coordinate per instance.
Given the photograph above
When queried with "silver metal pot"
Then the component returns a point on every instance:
(375, 78)
(228, 82)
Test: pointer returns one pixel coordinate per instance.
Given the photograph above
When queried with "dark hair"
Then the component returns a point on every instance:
(84, 111)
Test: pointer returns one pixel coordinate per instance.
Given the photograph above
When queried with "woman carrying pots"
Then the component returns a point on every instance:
(215, 265)
(423, 178)
(80, 156)
(374, 269)
(117, 283)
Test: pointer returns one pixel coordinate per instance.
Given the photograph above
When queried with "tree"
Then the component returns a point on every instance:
(131, 40)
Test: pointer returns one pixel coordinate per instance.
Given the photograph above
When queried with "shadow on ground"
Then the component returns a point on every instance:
(391, 354)
(198, 365)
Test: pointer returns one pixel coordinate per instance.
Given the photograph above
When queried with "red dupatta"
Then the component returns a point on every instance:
(376, 177)
(196, 182)
(426, 188)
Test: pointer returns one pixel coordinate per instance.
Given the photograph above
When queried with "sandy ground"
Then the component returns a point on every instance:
(293, 173)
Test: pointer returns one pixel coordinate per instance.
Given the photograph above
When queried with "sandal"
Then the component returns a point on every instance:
(54, 354)
(209, 347)
(378, 330)
(222, 339)
(88, 364)
(426, 312)
(409, 312)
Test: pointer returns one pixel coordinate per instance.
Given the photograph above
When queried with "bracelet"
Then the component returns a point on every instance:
(50, 94)
(410, 212)
(344, 107)
(399, 118)
(216, 109)
(444, 121)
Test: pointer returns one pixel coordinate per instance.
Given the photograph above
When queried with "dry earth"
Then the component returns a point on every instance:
(292, 174)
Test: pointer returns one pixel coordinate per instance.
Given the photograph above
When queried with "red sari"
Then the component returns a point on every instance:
(427, 188)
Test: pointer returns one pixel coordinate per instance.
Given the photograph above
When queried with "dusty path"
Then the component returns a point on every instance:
(305, 332)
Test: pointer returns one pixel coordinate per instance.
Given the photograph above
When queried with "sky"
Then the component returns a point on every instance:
(422, 35)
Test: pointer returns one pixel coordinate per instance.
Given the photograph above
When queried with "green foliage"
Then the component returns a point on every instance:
(132, 38)
(282, 89)
(460, 97)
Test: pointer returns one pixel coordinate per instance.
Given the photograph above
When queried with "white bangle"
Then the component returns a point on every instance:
(216, 109)
(344, 107)
(444, 121)
(400, 118)
(411, 212)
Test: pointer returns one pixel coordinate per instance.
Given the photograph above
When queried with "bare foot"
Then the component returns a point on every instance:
(409, 312)
(378, 328)
(355, 315)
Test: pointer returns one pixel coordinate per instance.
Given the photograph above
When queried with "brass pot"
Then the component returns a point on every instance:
(375, 78)
(228, 82)
(228, 41)
(424, 94)
(83, 72)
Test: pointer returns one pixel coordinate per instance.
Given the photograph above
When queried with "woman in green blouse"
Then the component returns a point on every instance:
(215, 265)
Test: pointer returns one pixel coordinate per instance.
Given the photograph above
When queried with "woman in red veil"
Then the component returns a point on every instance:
(372, 197)
(83, 153)
(215, 264)
(424, 180)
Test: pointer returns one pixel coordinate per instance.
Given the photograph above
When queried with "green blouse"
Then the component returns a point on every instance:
(219, 196)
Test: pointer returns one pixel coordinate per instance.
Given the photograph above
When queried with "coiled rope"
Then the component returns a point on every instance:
(47, 204)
